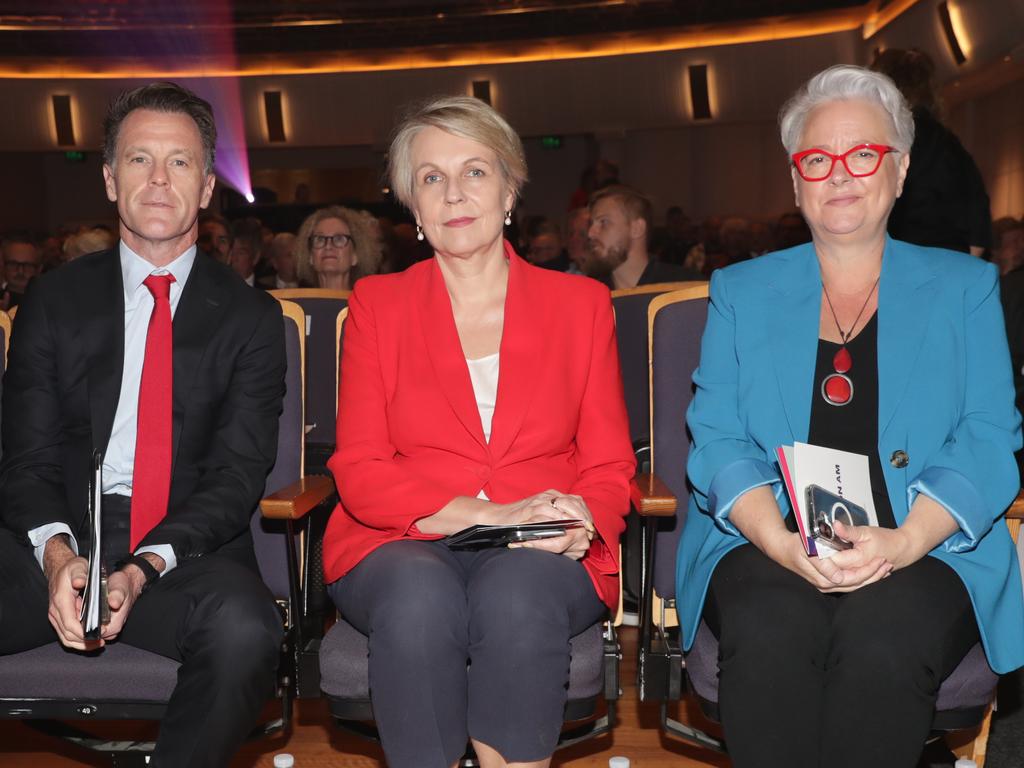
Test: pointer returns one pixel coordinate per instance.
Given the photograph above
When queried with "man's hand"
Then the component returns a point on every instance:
(66, 574)
(123, 589)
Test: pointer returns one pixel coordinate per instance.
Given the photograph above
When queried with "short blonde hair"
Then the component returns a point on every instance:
(365, 241)
(461, 116)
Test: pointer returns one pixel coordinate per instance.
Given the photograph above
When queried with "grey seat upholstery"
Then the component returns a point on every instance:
(677, 330)
(344, 652)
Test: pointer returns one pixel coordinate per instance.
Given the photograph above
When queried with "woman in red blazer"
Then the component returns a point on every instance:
(431, 440)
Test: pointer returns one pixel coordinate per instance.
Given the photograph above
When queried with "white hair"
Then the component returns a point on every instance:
(845, 82)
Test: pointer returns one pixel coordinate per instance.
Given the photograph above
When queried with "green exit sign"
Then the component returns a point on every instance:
(551, 142)
(73, 156)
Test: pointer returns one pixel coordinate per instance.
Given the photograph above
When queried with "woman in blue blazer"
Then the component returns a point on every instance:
(871, 345)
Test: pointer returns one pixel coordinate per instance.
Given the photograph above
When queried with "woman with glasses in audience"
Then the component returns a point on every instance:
(866, 344)
(336, 246)
(475, 389)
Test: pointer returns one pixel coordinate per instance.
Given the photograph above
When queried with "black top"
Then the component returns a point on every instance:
(853, 427)
(944, 203)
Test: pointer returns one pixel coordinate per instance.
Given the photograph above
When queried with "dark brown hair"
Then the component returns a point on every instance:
(636, 204)
(161, 97)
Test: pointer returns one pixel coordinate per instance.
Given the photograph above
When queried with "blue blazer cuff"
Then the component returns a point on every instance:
(732, 481)
(961, 499)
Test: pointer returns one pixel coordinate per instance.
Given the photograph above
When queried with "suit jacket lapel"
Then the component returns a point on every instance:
(101, 311)
(441, 340)
(905, 303)
(198, 311)
(794, 315)
(522, 342)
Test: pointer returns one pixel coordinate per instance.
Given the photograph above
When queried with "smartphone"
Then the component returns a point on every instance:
(824, 508)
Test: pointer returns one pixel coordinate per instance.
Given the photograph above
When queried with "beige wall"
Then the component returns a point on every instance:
(632, 109)
(992, 129)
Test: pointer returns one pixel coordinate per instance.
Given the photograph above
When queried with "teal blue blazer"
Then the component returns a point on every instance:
(945, 397)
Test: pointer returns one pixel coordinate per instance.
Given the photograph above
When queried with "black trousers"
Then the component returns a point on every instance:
(428, 612)
(213, 614)
(809, 680)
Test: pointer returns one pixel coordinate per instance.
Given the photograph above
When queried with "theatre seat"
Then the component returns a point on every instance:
(340, 662)
(344, 676)
(51, 684)
(321, 308)
(663, 674)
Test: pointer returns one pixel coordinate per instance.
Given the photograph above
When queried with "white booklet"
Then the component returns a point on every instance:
(95, 609)
(825, 484)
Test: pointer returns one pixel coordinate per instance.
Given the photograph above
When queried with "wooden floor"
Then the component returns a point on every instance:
(315, 742)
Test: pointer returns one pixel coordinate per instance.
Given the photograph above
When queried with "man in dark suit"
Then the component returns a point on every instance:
(618, 246)
(185, 413)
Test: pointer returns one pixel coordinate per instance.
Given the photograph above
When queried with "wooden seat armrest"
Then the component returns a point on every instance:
(295, 500)
(651, 497)
(1016, 510)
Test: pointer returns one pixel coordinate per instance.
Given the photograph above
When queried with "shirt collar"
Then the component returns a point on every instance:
(135, 269)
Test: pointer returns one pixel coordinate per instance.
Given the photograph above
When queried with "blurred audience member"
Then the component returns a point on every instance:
(335, 247)
(214, 236)
(603, 174)
(621, 221)
(22, 262)
(577, 224)
(302, 196)
(545, 247)
(791, 230)
(1008, 244)
(51, 251)
(762, 238)
(87, 241)
(736, 239)
(708, 251)
(944, 202)
(404, 249)
(246, 247)
(676, 238)
(282, 259)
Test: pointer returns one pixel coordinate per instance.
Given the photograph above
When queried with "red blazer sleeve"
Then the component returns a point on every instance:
(605, 460)
(373, 486)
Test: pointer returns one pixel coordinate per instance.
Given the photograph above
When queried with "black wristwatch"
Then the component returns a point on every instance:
(147, 568)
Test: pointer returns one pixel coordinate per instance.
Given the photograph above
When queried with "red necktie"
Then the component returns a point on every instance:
(151, 479)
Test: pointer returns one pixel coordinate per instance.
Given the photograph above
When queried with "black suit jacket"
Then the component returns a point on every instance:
(64, 378)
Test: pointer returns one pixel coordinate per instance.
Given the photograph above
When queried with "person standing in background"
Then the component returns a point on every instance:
(944, 202)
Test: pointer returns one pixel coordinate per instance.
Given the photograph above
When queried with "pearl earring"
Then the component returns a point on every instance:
(419, 233)
(508, 218)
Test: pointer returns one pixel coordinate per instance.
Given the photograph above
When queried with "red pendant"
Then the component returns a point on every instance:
(842, 361)
(837, 389)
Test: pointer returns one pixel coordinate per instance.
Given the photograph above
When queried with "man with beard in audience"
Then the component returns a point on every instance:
(621, 223)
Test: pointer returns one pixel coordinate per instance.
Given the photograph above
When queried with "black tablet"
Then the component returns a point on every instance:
(483, 536)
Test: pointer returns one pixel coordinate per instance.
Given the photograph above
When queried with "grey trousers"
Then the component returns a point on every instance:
(467, 644)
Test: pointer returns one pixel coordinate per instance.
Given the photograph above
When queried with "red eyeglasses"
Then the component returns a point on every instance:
(859, 161)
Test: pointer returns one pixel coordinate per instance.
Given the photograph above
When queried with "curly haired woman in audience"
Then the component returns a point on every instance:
(336, 246)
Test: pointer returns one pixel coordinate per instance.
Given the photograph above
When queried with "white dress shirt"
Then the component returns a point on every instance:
(119, 459)
(280, 284)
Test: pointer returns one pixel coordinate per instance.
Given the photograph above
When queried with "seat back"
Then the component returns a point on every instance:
(320, 307)
(631, 333)
(676, 325)
(289, 464)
